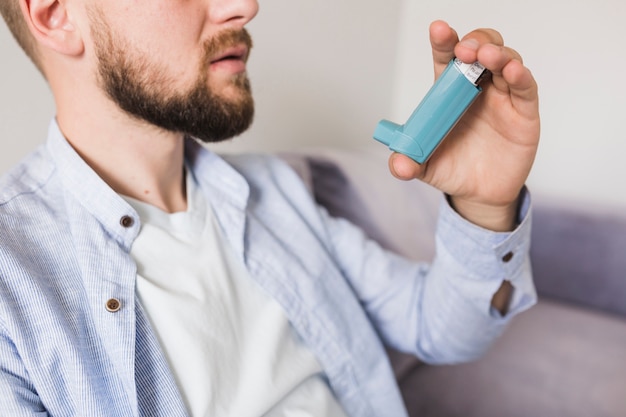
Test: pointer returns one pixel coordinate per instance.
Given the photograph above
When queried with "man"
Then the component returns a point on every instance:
(142, 275)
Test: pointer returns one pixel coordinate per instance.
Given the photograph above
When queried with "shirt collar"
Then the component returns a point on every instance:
(86, 187)
(226, 190)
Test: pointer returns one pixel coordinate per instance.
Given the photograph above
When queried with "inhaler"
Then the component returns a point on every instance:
(442, 107)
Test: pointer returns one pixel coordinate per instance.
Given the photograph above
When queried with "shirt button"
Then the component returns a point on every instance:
(113, 305)
(507, 258)
(127, 221)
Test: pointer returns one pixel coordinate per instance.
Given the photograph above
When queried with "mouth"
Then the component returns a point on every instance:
(227, 53)
(235, 54)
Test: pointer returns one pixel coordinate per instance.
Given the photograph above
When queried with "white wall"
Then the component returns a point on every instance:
(325, 72)
(25, 103)
(322, 72)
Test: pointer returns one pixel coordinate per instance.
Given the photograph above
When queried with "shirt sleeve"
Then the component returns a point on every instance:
(18, 395)
(441, 311)
(490, 257)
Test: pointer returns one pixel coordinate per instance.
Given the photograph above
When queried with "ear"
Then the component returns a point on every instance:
(52, 26)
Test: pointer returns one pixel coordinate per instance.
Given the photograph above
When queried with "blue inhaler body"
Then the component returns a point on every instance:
(451, 95)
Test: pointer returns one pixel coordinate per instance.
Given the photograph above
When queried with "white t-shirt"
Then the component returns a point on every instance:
(229, 345)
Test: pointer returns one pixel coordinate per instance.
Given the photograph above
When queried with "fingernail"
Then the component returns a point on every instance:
(392, 163)
(470, 44)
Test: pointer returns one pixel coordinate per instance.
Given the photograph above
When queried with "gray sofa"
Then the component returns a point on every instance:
(564, 357)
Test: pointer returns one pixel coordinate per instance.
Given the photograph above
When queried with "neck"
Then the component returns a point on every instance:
(134, 158)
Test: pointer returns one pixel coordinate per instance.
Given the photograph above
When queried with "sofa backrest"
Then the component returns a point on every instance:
(579, 254)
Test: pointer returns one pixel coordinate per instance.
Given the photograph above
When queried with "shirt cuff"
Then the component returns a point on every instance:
(490, 257)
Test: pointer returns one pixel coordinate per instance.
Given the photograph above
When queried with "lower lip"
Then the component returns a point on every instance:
(233, 66)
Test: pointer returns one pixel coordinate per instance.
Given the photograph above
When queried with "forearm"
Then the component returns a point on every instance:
(441, 312)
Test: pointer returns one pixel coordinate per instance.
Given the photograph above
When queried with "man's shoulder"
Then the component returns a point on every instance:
(32, 206)
(265, 169)
(253, 162)
(26, 179)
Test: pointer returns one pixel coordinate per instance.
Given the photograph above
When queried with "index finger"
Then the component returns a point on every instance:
(442, 40)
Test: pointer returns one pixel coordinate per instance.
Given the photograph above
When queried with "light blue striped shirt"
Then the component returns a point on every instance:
(66, 350)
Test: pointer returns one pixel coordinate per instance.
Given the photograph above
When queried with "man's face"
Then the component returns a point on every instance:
(216, 104)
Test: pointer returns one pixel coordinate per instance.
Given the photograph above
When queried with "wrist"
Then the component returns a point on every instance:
(498, 218)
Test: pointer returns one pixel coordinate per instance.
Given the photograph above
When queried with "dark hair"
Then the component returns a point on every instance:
(12, 14)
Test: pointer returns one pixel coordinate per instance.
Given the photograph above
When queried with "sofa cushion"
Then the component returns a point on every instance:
(554, 360)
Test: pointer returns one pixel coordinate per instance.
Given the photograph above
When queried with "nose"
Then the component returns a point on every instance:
(234, 13)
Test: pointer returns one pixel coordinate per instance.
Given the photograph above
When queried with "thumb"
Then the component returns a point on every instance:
(404, 168)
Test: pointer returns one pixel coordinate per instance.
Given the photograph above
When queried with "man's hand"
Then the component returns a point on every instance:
(483, 163)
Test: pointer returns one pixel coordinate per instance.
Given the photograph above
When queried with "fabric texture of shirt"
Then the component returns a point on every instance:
(75, 339)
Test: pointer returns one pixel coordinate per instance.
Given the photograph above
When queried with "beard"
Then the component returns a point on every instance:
(142, 88)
